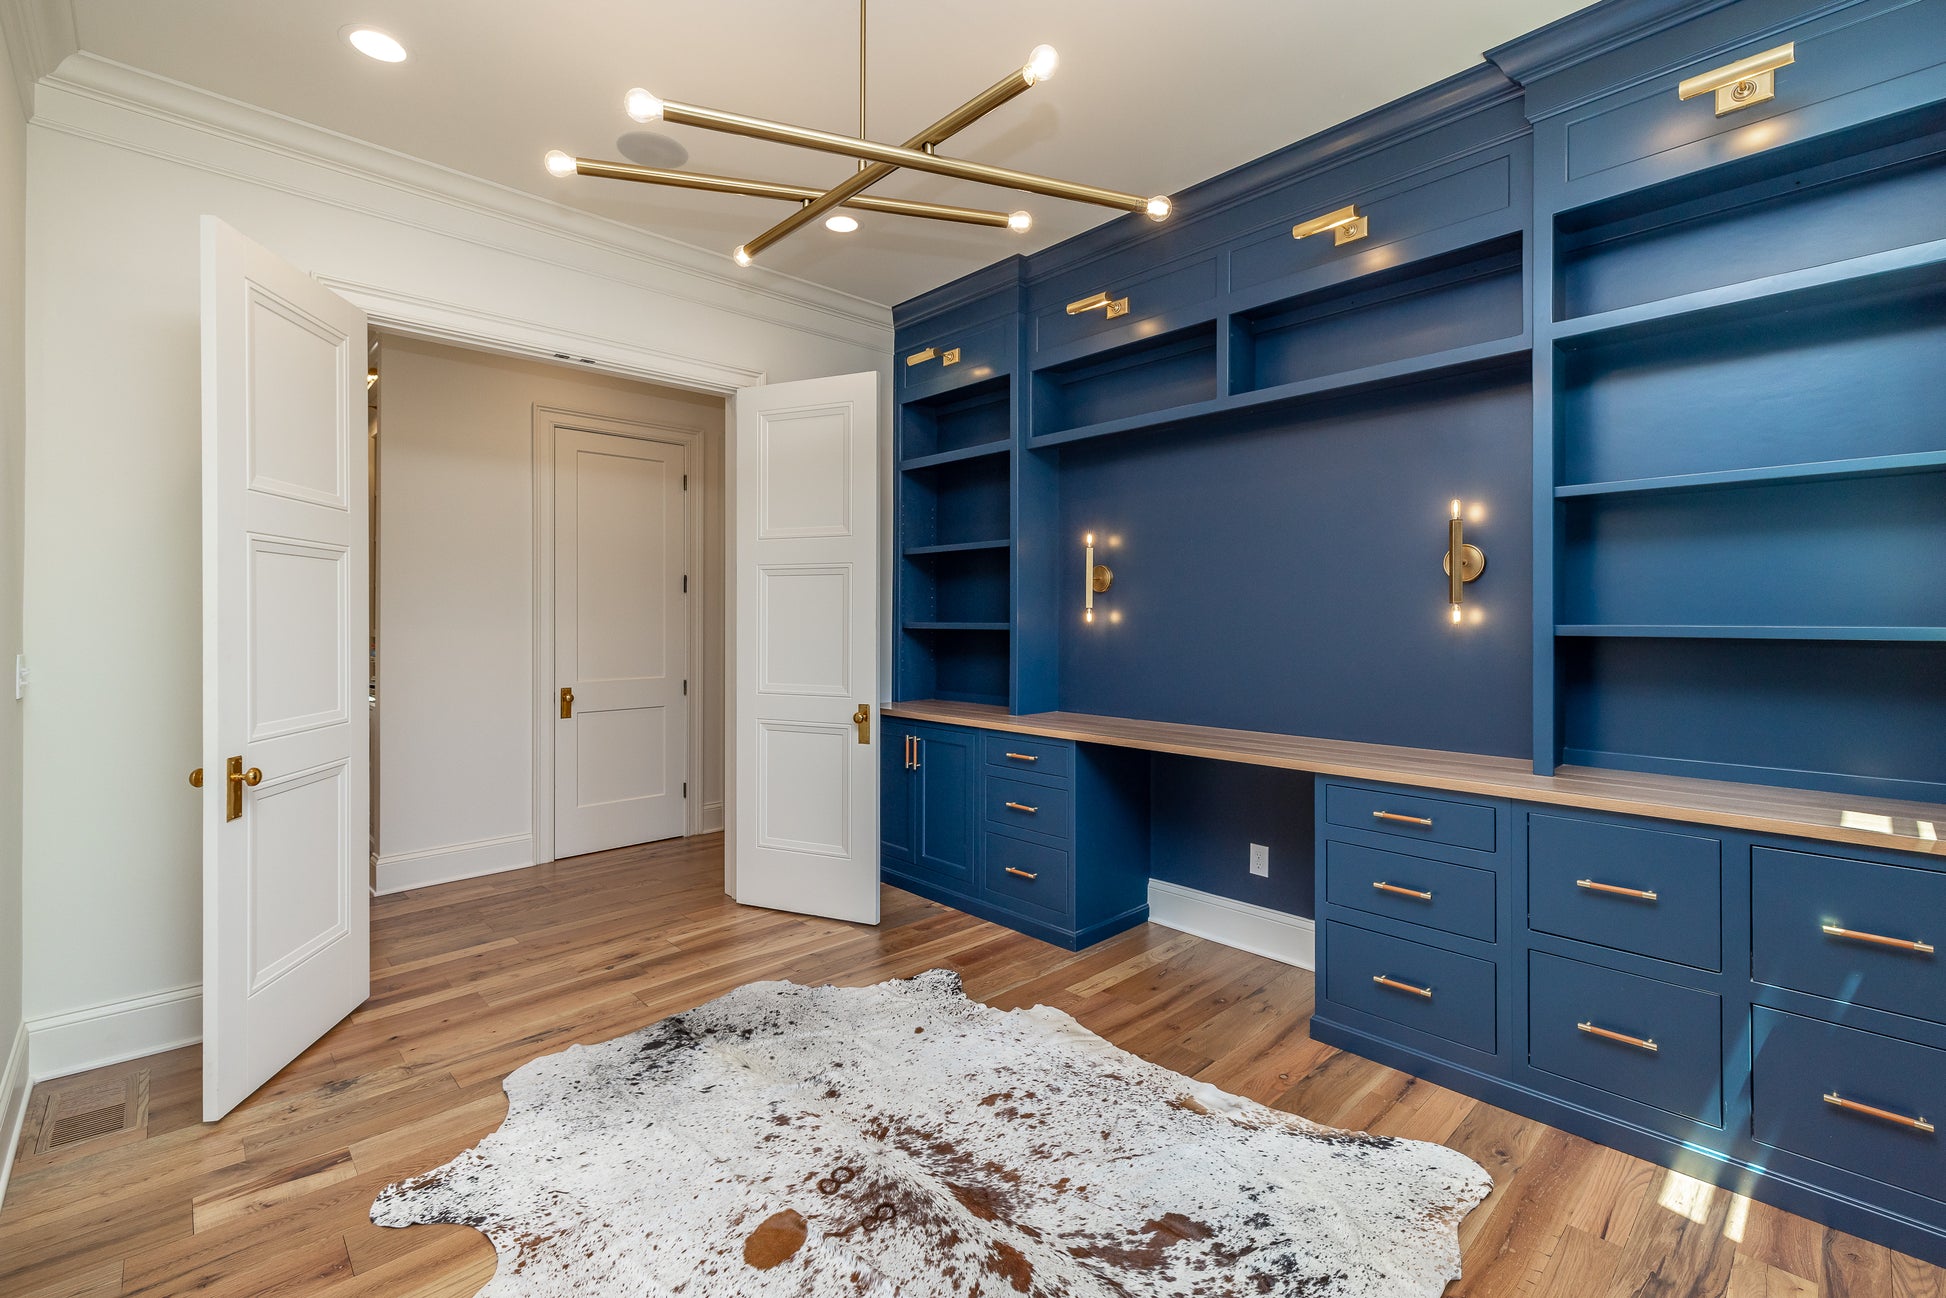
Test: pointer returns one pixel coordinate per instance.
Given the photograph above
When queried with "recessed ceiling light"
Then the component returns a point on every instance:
(373, 43)
(840, 224)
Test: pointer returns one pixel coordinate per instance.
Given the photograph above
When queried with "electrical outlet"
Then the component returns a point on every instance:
(1260, 860)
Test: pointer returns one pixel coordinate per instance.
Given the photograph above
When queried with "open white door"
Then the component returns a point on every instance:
(805, 653)
(286, 912)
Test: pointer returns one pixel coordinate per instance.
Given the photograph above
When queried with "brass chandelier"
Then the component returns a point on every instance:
(875, 162)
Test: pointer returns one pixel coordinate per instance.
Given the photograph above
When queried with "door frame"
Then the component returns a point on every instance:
(548, 420)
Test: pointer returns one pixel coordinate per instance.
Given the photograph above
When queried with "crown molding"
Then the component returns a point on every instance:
(396, 187)
(988, 280)
(1590, 33)
(39, 34)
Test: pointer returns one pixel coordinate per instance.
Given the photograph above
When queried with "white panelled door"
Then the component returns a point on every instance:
(286, 790)
(621, 640)
(805, 654)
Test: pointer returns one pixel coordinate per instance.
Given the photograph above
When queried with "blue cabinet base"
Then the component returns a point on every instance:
(1069, 939)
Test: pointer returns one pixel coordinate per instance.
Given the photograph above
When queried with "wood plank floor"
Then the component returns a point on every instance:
(471, 980)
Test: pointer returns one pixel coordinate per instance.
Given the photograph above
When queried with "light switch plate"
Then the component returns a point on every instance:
(1260, 860)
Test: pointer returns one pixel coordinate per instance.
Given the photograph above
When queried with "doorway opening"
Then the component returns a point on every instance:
(547, 611)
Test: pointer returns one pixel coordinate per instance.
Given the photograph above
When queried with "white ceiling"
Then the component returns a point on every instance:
(1151, 95)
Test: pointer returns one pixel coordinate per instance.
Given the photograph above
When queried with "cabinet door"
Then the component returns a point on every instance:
(898, 791)
(947, 778)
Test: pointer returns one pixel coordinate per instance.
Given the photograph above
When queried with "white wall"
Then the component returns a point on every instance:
(120, 168)
(456, 597)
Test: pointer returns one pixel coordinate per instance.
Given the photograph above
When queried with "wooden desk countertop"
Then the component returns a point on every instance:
(1800, 813)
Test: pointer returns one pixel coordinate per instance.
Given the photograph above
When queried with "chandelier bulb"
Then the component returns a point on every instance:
(560, 164)
(1040, 64)
(841, 224)
(1020, 222)
(641, 105)
(740, 257)
(1159, 208)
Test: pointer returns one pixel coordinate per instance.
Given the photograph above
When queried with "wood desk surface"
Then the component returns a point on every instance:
(1801, 813)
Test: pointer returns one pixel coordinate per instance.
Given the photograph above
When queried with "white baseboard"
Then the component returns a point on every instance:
(712, 818)
(61, 1045)
(14, 1087)
(1256, 929)
(403, 871)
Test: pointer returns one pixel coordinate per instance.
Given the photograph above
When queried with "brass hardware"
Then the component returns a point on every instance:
(1396, 890)
(908, 752)
(1103, 578)
(1023, 757)
(567, 702)
(920, 358)
(1872, 1111)
(1397, 986)
(862, 718)
(1741, 84)
(1463, 562)
(1021, 806)
(1022, 873)
(1096, 577)
(805, 194)
(1640, 1043)
(196, 778)
(1403, 819)
(1115, 307)
(950, 356)
(1897, 943)
(1345, 224)
(918, 752)
(1639, 894)
(238, 777)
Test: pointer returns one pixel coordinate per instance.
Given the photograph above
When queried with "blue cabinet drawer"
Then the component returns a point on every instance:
(1042, 808)
(1433, 820)
(1438, 992)
(1053, 757)
(1648, 891)
(1815, 1087)
(1635, 1037)
(949, 359)
(1456, 898)
(1883, 916)
(1031, 878)
(1157, 303)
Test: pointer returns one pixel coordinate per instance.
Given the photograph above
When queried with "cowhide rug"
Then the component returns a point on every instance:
(902, 1139)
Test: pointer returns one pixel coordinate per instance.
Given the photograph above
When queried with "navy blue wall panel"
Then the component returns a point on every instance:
(1285, 575)
(1203, 816)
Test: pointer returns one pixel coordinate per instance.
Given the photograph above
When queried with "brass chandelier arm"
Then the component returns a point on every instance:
(789, 193)
(871, 173)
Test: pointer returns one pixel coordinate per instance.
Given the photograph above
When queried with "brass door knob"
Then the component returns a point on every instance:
(196, 778)
(239, 777)
(252, 777)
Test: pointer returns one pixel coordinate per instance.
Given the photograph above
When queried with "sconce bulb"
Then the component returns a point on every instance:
(559, 163)
(1020, 222)
(1088, 539)
(1159, 208)
(741, 258)
(1456, 614)
(1088, 616)
(1040, 64)
(1456, 509)
(841, 224)
(641, 105)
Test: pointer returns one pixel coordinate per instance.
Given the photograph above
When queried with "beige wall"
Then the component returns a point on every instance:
(456, 609)
(13, 416)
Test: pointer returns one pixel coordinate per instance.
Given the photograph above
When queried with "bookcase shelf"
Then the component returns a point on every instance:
(956, 457)
(958, 547)
(1651, 631)
(1868, 466)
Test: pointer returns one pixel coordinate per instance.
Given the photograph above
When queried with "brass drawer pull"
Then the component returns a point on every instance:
(1886, 1115)
(1396, 890)
(1403, 820)
(1640, 1043)
(1397, 986)
(1113, 307)
(1616, 890)
(920, 358)
(1021, 806)
(1022, 873)
(1896, 943)
(1023, 757)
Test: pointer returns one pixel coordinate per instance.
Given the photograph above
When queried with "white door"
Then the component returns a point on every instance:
(286, 792)
(805, 651)
(621, 640)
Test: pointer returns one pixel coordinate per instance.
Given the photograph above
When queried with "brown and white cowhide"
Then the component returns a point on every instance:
(902, 1139)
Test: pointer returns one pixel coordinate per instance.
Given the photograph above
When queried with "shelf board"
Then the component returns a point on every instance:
(958, 547)
(1456, 360)
(959, 626)
(1655, 631)
(981, 451)
(1828, 281)
(1871, 466)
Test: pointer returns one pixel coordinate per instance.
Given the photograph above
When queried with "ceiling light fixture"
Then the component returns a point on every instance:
(841, 224)
(375, 44)
(875, 161)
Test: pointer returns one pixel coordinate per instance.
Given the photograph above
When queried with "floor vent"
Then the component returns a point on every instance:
(91, 1109)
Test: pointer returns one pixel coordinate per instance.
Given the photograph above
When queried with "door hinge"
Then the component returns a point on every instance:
(685, 583)
(685, 788)
(685, 482)
(685, 689)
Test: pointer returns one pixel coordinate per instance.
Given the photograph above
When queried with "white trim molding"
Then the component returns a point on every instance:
(1256, 929)
(712, 819)
(14, 1088)
(60, 1045)
(39, 34)
(404, 871)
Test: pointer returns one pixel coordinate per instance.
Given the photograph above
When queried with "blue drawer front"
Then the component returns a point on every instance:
(1795, 894)
(1460, 1006)
(1053, 757)
(1460, 901)
(1798, 1061)
(1031, 878)
(1431, 820)
(1573, 864)
(1040, 808)
(1683, 1075)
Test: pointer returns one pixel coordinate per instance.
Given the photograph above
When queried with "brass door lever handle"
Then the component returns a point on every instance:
(567, 703)
(238, 778)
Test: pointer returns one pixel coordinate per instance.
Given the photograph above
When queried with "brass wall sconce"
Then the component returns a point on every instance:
(1345, 224)
(1463, 563)
(1113, 306)
(1742, 84)
(1097, 578)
